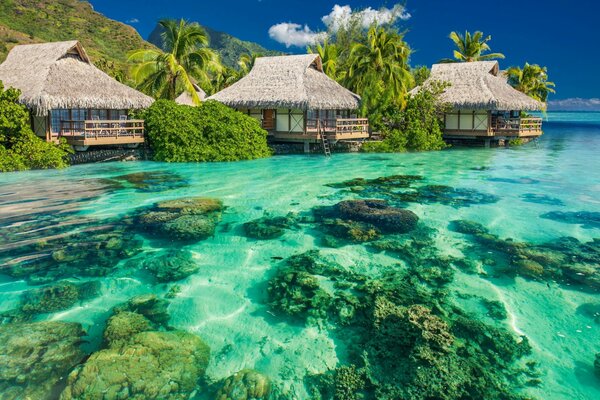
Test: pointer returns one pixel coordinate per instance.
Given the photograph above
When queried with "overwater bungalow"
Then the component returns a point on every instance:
(295, 101)
(70, 98)
(484, 106)
(186, 99)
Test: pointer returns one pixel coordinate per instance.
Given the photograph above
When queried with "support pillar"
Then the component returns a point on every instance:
(306, 147)
(487, 143)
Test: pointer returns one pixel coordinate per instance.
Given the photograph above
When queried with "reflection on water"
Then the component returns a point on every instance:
(283, 279)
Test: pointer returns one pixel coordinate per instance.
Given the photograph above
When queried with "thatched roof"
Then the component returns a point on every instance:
(479, 86)
(61, 75)
(288, 82)
(186, 99)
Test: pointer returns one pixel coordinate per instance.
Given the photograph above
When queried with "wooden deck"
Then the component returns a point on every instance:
(334, 129)
(103, 132)
(501, 128)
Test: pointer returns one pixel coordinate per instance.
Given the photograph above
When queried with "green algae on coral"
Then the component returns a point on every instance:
(57, 297)
(150, 365)
(186, 219)
(147, 181)
(170, 265)
(150, 306)
(586, 219)
(266, 228)
(35, 357)
(123, 325)
(245, 385)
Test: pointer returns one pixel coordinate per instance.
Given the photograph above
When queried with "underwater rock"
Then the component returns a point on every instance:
(147, 181)
(57, 297)
(151, 365)
(186, 219)
(123, 325)
(446, 195)
(148, 305)
(245, 385)
(590, 310)
(541, 199)
(467, 227)
(35, 357)
(392, 181)
(266, 228)
(95, 252)
(586, 219)
(171, 265)
(353, 231)
(496, 309)
(597, 365)
(173, 292)
(378, 213)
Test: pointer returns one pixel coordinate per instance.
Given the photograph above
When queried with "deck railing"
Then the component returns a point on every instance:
(339, 126)
(521, 125)
(103, 128)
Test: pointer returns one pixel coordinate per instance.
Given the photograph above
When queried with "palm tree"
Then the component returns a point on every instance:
(531, 80)
(223, 78)
(471, 47)
(330, 57)
(185, 58)
(379, 67)
(246, 63)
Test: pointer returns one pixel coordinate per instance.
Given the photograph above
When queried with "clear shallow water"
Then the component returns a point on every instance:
(225, 302)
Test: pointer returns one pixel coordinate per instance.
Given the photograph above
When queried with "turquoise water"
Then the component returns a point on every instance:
(226, 301)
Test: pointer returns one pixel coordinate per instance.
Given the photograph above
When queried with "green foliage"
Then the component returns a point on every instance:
(416, 128)
(531, 80)
(186, 58)
(210, 132)
(471, 47)
(420, 74)
(20, 148)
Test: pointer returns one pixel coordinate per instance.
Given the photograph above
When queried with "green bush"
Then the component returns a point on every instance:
(20, 148)
(210, 132)
(418, 127)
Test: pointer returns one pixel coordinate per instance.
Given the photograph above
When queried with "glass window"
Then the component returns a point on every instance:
(56, 120)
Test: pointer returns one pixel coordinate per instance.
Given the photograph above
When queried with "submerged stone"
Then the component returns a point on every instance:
(447, 195)
(597, 365)
(186, 219)
(171, 265)
(147, 181)
(378, 213)
(586, 219)
(123, 325)
(245, 385)
(35, 357)
(541, 199)
(57, 297)
(468, 227)
(150, 306)
(151, 365)
(266, 228)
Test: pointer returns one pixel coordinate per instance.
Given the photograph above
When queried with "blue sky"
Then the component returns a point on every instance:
(563, 35)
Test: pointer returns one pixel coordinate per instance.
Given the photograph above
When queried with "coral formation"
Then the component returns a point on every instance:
(170, 265)
(245, 385)
(35, 357)
(57, 297)
(123, 325)
(150, 365)
(148, 305)
(185, 219)
(266, 227)
(147, 181)
(586, 219)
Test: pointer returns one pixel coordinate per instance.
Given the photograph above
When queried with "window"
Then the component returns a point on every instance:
(56, 118)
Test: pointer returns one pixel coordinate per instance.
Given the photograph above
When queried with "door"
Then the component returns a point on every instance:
(268, 120)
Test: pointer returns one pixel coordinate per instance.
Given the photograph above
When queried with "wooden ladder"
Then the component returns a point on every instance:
(324, 140)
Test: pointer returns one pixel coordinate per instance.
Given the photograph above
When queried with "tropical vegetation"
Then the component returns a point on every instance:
(532, 80)
(20, 148)
(471, 47)
(210, 132)
(186, 58)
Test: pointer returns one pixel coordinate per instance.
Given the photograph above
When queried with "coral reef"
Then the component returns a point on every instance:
(187, 219)
(245, 385)
(148, 305)
(586, 219)
(151, 365)
(378, 213)
(170, 265)
(57, 297)
(147, 181)
(541, 199)
(123, 325)
(266, 227)
(495, 309)
(597, 365)
(35, 357)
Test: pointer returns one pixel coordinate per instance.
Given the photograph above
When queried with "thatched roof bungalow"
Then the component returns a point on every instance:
(294, 99)
(483, 104)
(185, 98)
(63, 89)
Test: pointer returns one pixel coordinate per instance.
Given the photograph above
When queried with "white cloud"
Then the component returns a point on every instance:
(341, 15)
(574, 104)
(133, 21)
(292, 34)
